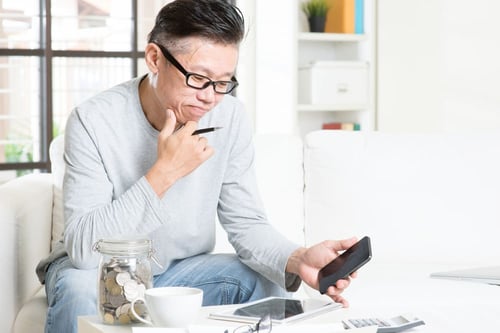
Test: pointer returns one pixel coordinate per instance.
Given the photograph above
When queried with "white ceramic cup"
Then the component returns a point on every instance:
(171, 306)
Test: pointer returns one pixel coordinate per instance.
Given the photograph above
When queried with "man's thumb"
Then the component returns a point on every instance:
(170, 122)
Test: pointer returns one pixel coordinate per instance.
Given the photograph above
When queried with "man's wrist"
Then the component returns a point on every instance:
(295, 260)
(159, 180)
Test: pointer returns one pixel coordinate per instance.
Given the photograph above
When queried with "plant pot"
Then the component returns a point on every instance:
(317, 23)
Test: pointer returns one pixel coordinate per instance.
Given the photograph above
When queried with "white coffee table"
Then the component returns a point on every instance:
(93, 324)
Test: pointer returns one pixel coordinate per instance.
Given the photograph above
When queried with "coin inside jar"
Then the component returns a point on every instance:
(120, 289)
(123, 279)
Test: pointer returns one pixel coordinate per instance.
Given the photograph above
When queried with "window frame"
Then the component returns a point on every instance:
(46, 56)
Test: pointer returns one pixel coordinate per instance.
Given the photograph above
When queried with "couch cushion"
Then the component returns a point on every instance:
(31, 318)
(421, 197)
(56, 153)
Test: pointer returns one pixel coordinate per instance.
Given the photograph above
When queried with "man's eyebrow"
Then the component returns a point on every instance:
(207, 71)
(211, 74)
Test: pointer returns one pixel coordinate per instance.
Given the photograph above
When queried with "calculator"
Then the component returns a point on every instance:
(390, 325)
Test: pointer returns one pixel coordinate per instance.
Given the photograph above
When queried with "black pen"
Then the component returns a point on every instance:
(205, 130)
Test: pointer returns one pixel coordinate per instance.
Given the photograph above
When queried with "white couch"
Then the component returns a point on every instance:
(429, 202)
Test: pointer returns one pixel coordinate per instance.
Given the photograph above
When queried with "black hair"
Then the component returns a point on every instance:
(215, 20)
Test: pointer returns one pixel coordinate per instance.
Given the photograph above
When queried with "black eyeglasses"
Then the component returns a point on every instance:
(263, 326)
(198, 81)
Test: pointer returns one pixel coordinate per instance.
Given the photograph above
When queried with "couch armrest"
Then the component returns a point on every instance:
(26, 217)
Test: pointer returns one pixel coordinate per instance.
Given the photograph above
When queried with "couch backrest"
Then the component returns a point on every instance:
(280, 177)
(421, 197)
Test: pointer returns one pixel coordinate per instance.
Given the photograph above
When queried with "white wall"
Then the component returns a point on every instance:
(267, 64)
(247, 60)
(438, 65)
(276, 66)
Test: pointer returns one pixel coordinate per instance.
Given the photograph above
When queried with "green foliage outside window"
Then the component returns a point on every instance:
(16, 152)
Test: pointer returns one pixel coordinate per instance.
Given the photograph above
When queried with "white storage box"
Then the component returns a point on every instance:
(336, 83)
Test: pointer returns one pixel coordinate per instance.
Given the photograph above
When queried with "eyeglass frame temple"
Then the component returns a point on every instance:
(256, 327)
(266, 318)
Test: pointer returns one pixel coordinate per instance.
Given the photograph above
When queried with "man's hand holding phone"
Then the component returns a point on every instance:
(345, 264)
(307, 262)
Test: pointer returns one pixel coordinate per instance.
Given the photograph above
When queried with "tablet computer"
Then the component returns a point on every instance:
(282, 310)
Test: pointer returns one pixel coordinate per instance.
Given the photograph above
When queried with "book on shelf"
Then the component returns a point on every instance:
(359, 16)
(345, 16)
(346, 126)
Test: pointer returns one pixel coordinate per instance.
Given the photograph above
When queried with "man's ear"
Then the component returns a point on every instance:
(152, 57)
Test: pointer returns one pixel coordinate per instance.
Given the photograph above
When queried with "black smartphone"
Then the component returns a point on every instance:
(345, 264)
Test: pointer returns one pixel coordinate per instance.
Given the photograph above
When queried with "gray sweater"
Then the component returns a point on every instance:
(109, 147)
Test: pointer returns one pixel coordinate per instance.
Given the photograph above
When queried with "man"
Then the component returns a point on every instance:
(134, 167)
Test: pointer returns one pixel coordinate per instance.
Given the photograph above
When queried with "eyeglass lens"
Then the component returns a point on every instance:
(199, 81)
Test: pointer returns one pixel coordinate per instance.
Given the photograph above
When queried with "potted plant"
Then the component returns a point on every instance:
(316, 11)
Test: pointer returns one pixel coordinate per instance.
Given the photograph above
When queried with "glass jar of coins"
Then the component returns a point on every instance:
(124, 275)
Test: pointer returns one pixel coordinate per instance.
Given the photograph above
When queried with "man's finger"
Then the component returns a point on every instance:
(170, 122)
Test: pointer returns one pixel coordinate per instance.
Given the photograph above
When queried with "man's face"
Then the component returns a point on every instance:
(215, 61)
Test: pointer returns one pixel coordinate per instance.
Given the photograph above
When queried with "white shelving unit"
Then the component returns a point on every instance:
(313, 47)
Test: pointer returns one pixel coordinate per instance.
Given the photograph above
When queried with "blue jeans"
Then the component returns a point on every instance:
(222, 277)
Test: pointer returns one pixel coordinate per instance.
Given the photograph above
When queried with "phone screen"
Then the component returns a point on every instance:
(348, 262)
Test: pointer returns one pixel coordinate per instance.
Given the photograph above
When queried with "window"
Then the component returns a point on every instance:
(53, 55)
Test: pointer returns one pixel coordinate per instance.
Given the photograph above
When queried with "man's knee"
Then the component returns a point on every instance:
(75, 288)
(237, 283)
(71, 293)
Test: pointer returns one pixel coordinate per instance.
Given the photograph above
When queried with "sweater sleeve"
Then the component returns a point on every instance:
(257, 243)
